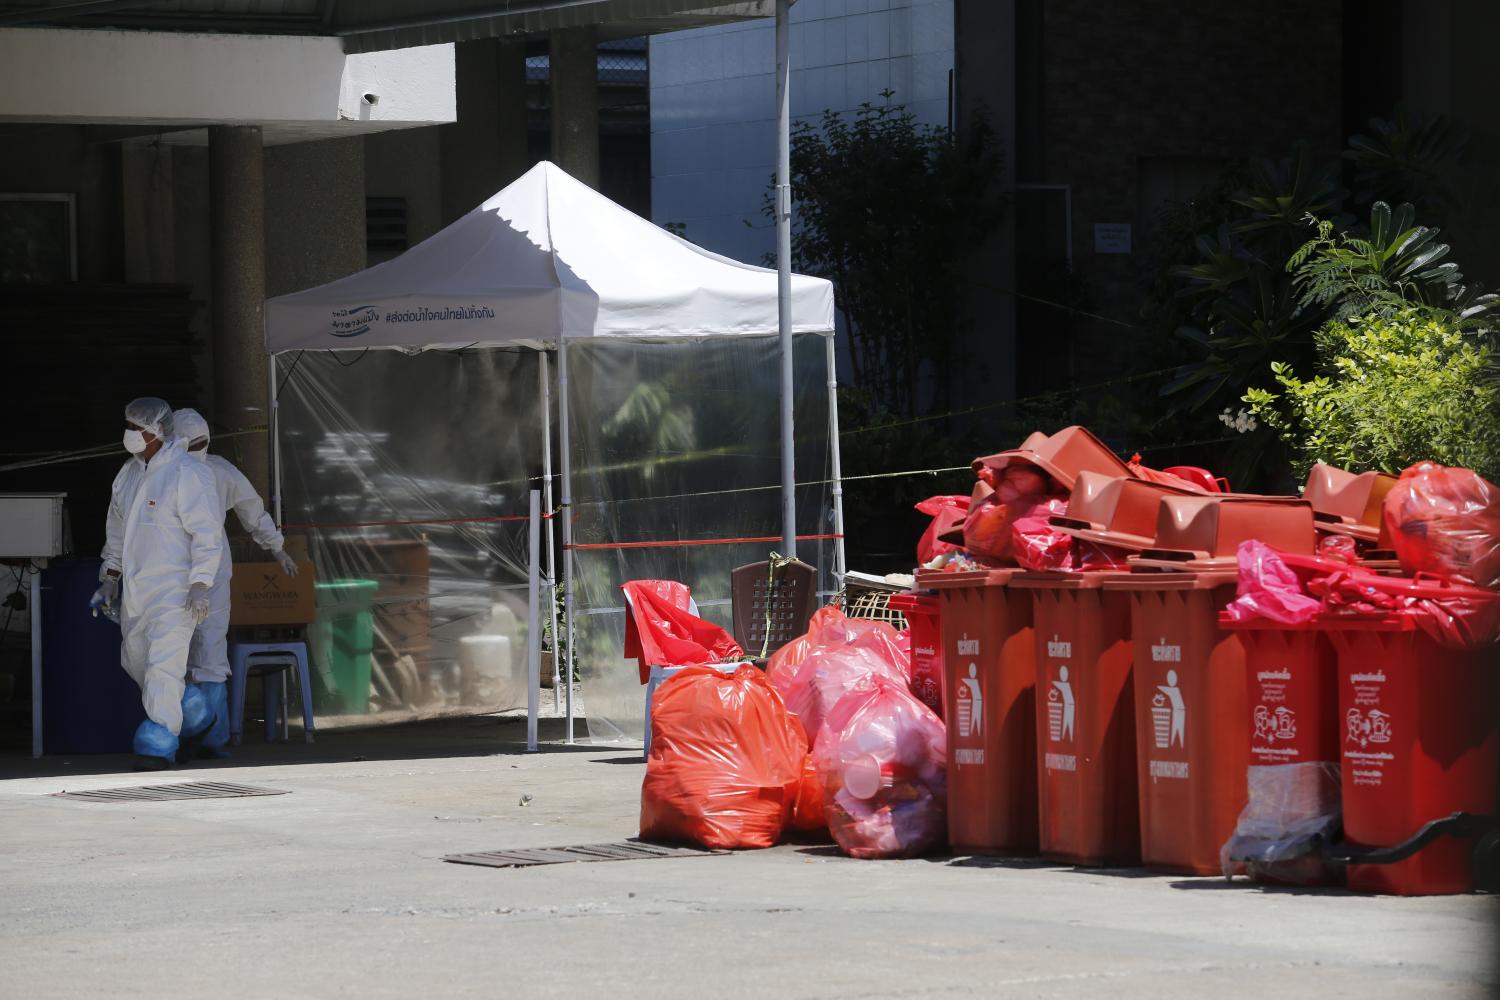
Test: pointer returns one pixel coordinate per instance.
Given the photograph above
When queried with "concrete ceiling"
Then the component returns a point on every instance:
(373, 25)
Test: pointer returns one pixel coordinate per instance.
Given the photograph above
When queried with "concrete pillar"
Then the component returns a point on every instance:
(575, 102)
(237, 249)
(485, 149)
(150, 235)
(511, 118)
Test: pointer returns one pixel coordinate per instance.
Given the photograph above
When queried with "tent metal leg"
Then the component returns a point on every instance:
(839, 566)
(566, 513)
(273, 430)
(551, 537)
(534, 620)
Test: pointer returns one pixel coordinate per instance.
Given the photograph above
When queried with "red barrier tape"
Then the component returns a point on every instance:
(688, 542)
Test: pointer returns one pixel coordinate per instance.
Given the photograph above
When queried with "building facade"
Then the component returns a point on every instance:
(713, 103)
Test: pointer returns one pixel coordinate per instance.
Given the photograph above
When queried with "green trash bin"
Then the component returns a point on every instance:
(343, 640)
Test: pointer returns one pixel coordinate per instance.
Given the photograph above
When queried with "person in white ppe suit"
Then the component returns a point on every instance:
(163, 536)
(208, 656)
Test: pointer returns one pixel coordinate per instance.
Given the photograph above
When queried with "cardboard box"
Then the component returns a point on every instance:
(261, 594)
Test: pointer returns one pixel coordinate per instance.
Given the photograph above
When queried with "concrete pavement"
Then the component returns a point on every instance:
(337, 890)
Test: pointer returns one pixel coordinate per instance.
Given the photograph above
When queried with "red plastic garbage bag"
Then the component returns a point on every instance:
(1036, 544)
(881, 760)
(1002, 498)
(792, 655)
(947, 512)
(1446, 522)
(1341, 547)
(808, 815)
(841, 654)
(1268, 589)
(660, 631)
(726, 761)
(1182, 477)
(1455, 615)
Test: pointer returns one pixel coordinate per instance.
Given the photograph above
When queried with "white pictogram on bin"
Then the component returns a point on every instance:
(1365, 728)
(970, 704)
(1273, 726)
(1060, 710)
(1169, 714)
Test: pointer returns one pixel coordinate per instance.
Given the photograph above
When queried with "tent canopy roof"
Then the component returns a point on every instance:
(547, 257)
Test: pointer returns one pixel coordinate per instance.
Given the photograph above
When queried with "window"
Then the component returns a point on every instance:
(37, 239)
(385, 228)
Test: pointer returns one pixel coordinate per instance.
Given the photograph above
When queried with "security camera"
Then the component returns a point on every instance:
(371, 98)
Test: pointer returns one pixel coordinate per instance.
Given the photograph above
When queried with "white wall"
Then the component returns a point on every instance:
(147, 77)
(713, 102)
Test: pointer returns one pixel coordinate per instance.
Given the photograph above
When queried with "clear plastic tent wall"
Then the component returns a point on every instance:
(409, 474)
(676, 467)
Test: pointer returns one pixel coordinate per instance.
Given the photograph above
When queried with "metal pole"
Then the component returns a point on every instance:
(839, 566)
(36, 661)
(546, 379)
(534, 621)
(566, 513)
(273, 425)
(784, 274)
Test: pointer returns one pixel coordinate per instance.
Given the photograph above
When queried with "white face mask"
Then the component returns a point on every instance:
(201, 454)
(135, 442)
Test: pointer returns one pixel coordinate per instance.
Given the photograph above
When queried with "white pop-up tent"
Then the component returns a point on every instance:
(545, 262)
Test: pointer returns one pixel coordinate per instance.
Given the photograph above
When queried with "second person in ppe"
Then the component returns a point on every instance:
(208, 656)
(163, 535)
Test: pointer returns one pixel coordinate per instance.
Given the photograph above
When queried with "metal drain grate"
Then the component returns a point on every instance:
(165, 793)
(629, 850)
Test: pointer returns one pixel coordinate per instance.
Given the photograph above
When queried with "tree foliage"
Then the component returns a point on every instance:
(1392, 390)
(1379, 273)
(885, 207)
(1413, 156)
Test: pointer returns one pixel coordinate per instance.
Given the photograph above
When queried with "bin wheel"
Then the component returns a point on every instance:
(1487, 862)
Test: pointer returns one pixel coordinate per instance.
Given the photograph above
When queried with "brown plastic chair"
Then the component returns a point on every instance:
(1115, 510)
(1203, 533)
(791, 601)
(1349, 504)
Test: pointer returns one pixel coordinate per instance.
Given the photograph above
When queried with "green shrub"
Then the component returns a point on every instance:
(1393, 391)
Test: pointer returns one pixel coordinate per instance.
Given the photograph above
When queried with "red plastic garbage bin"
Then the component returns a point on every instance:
(990, 685)
(1191, 717)
(1085, 720)
(1419, 735)
(924, 615)
(1293, 692)
(1293, 789)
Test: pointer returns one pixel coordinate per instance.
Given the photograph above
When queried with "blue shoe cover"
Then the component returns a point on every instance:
(217, 694)
(197, 715)
(155, 740)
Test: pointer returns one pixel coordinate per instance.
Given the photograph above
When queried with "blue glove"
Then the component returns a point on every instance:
(104, 599)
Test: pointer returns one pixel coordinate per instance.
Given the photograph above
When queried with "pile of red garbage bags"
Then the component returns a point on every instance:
(829, 739)
(878, 751)
(1445, 526)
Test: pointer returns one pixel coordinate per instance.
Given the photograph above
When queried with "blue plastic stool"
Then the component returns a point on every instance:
(269, 660)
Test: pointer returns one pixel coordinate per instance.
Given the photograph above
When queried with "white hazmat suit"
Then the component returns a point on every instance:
(208, 656)
(163, 534)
